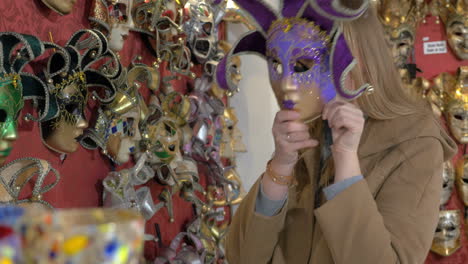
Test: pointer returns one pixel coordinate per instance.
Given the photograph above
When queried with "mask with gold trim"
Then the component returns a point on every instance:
(308, 59)
(63, 7)
(457, 104)
(447, 235)
(234, 76)
(69, 73)
(113, 18)
(448, 182)
(15, 85)
(231, 141)
(462, 179)
(116, 131)
(400, 20)
(454, 14)
(163, 141)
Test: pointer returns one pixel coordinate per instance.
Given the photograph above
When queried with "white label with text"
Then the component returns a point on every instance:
(435, 47)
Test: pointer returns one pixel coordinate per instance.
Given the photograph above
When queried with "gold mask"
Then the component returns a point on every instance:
(231, 141)
(462, 179)
(63, 7)
(457, 104)
(455, 16)
(400, 19)
(234, 71)
(447, 235)
(448, 180)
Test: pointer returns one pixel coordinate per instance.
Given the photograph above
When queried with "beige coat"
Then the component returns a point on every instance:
(388, 218)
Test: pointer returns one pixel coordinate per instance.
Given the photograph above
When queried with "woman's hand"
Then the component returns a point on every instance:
(346, 121)
(290, 136)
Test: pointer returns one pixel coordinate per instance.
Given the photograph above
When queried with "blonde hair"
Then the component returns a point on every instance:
(365, 37)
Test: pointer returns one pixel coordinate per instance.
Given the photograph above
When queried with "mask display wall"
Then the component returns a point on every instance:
(456, 103)
(63, 7)
(447, 235)
(66, 80)
(116, 131)
(113, 18)
(454, 14)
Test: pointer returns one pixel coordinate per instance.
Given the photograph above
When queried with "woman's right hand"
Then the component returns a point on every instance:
(290, 136)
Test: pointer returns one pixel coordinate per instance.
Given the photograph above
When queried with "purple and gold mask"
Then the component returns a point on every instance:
(298, 63)
(308, 56)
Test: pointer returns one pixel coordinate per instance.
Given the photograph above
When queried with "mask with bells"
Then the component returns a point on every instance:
(448, 182)
(116, 130)
(455, 17)
(400, 19)
(447, 235)
(113, 18)
(68, 75)
(308, 61)
(15, 85)
(462, 179)
(63, 7)
(457, 104)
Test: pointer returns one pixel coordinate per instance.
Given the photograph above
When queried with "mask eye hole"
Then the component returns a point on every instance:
(277, 66)
(451, 228)
(3, 115)
(465, 180)
(458, 116)
(300, 67)
(438, 229)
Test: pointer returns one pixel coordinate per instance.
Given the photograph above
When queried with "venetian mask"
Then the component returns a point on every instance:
(12, 79)
(201, 30)
(113, 17)
(455, 17)
(63, 7)
(457, 105)
(400, 19)
(231, 141)
(116, 130)
(234, 76)
(163, 141)
(447, 235)
(448, 181)
(67, 78)
(298, 63)
(11, 103)
(462, 179)
(61, 133)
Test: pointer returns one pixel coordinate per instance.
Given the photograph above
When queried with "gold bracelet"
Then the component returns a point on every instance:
(279, 179)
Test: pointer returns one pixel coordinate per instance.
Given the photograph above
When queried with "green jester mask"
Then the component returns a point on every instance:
(15, 85)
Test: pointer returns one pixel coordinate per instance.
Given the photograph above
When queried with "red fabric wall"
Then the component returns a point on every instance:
(432, 66)
(82, 172)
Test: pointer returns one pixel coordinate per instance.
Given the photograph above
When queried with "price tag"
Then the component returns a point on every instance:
(435, 47)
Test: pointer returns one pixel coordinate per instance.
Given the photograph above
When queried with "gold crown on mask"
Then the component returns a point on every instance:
(450, 10)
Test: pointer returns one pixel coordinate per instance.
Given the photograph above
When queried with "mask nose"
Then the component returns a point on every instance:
(288, 85)
(10, 132)
(82, 123)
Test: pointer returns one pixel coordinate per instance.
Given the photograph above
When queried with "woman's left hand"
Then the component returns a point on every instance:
(346, 121)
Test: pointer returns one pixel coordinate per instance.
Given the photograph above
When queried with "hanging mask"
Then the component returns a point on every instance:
(15, 85)
(234, 74)
(462, 179)
(438, 93)
(231, 141)
(308, 59)
(447, 235)
(448, 181)
(201, 30)
(400, 19)
(455, 17)
(114, 18)
(68, 75)
(163, 141)
(116, 130)
(457, 104)
(63, 7)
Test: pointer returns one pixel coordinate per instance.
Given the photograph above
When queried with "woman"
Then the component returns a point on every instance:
(368, 174)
